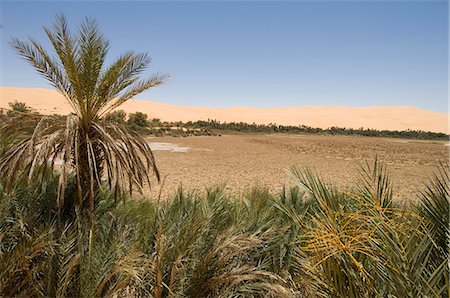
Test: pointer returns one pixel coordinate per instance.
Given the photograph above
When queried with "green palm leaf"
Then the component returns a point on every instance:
(89, 147)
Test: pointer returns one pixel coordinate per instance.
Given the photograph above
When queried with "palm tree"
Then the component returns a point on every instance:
(89, 147)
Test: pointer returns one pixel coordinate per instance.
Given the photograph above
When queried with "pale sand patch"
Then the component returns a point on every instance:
(156, 146)
(49, 101)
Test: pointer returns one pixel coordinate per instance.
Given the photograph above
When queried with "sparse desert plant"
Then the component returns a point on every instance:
(17, 107)
(88, 147)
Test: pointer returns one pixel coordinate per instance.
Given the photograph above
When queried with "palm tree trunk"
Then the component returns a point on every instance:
(90, 171)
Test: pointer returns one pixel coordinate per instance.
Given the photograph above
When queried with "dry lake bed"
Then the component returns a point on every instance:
(242, 161)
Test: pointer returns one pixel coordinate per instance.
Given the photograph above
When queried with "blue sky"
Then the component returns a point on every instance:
(263, 54)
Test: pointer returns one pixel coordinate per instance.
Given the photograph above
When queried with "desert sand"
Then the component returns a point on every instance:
(243, 161)
(48, 101)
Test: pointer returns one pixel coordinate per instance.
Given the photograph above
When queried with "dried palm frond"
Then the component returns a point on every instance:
(23, 266)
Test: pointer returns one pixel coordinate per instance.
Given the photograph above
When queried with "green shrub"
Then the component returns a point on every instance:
(17, 107)
(137, 119)
(117, 117)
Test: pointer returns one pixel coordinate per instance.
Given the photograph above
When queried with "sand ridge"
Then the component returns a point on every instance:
(48, 101)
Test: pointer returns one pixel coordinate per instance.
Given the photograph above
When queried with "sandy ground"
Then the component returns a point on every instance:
(49, 101)
(242, 161)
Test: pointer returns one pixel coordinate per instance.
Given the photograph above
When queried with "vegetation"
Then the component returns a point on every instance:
(137, 121)
(140, 123)
(313, 240)
(17, 107)
(89, 146)
(59, 212)
(214, 128)
(118, 117)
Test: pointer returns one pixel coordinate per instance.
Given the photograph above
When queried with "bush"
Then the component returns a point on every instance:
(117, 117)
(17, 108)
(137, 120)
(155, 122)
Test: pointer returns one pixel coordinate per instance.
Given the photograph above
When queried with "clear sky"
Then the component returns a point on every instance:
(261, 53)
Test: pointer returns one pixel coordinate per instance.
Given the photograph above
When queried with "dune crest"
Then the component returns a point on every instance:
(48, 101)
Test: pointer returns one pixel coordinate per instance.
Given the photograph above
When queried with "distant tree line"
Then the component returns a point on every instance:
(140, 123)
(303, 129)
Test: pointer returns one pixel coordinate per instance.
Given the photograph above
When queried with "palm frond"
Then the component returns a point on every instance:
(135, 88)
(83, 144)
(435, 208)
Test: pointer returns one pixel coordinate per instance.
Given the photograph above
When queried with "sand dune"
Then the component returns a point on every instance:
(49, 101)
